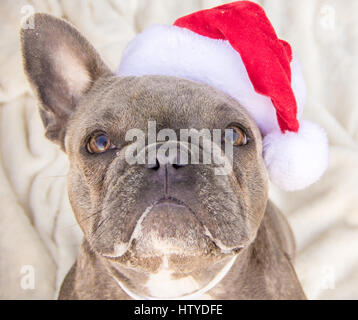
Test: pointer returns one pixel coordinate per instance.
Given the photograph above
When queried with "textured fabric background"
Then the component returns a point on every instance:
(37, 227)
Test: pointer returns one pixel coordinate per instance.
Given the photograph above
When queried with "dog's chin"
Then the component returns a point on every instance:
(170, 235)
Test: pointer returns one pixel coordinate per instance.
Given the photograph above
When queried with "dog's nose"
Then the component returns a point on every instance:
(165, 163)
(169, 159)
(169, 171)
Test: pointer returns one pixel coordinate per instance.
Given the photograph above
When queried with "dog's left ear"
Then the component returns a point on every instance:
(61, 66)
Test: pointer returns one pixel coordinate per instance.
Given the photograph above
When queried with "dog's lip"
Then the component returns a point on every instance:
(172, 201)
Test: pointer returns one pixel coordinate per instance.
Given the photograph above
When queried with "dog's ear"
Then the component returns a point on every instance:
(61, 66)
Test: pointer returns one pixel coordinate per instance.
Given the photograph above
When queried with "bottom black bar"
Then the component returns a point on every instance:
(180, 309)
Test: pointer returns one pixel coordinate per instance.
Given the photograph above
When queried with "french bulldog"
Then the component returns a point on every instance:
(163, 231)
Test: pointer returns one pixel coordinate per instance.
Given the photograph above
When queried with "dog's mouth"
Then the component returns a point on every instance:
(171, 201)
(170, 227)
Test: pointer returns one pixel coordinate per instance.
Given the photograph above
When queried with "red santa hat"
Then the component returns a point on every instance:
(234, 48)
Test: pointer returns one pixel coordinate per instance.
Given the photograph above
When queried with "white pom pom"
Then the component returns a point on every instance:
(296, 160)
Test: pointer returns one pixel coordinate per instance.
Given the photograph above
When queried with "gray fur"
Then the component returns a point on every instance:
(109, 196)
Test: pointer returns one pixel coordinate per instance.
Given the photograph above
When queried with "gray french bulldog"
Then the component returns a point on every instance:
(163, 231)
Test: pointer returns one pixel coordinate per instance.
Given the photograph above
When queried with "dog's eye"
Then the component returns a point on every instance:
(236, 136)
(98, 143)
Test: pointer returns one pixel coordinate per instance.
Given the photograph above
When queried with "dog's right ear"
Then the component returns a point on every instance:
(61, 66)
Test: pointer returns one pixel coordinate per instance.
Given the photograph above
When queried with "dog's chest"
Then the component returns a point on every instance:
(164, 284)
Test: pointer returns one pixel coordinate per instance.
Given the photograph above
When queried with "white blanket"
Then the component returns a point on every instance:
(38, 234)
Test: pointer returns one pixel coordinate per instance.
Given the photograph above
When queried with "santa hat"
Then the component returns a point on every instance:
(234, 48)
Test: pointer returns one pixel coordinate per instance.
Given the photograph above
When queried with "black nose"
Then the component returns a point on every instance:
(165, 163)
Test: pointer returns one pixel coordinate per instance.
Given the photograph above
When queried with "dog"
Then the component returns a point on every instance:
(162, 231)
